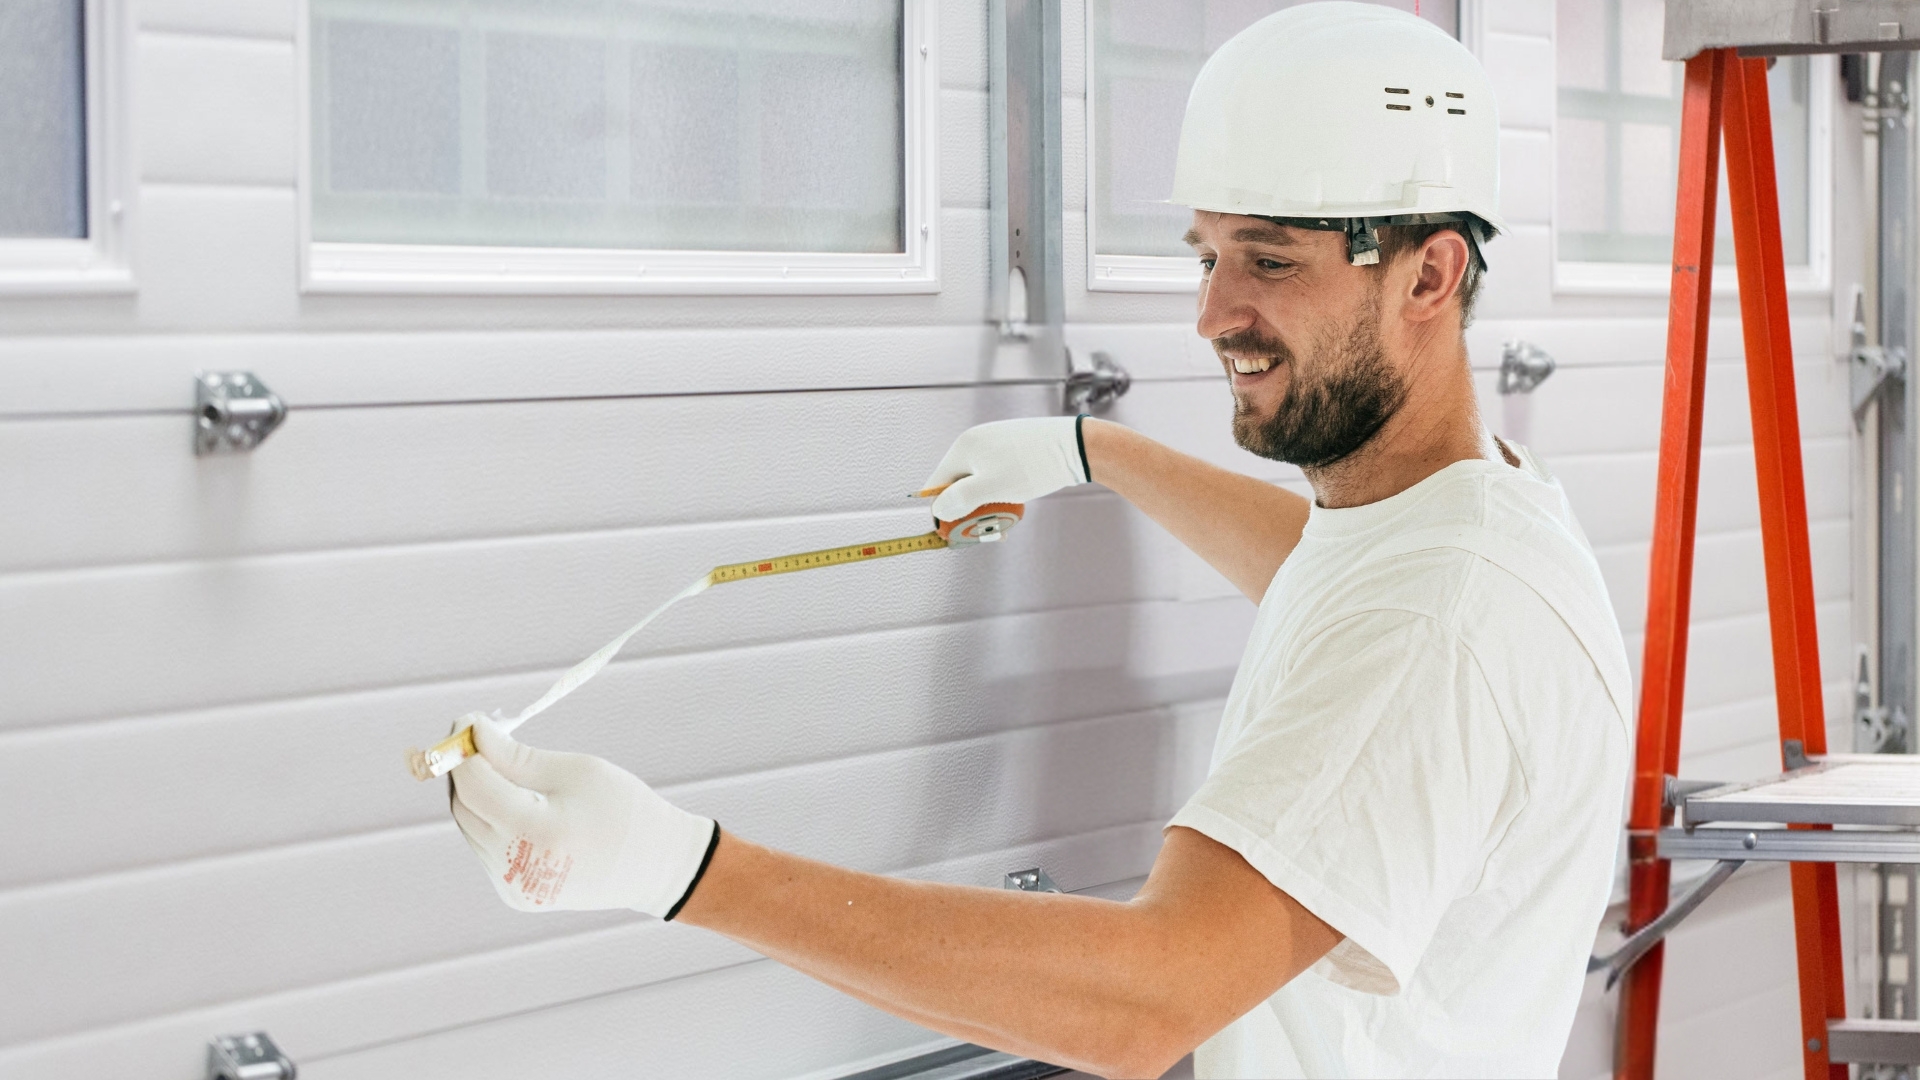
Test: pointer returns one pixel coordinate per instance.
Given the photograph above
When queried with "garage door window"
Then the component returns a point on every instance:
(1616, 146)
(59, 214)
(745, 145)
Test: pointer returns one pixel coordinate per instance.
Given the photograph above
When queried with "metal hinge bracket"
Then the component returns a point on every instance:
(233, 411)
(1869, 367)
(1033, 880)
(1877, 729)
(1523, 366)
(1094, 391)
(248, 1057)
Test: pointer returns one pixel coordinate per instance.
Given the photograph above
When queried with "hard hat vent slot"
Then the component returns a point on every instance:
(1451, 94)
(1458, 112)
(1398, 90)
(1400, 108)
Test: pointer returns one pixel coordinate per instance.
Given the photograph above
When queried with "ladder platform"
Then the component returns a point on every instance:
(1874, 1042)
(1791, 845)
(1835, 789)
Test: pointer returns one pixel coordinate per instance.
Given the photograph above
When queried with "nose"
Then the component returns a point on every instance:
(1225, 304)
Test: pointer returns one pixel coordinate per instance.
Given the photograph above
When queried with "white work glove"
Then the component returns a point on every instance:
(571, 832)
(1010, 461)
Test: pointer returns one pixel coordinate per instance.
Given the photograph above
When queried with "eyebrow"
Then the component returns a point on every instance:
(1279, 235)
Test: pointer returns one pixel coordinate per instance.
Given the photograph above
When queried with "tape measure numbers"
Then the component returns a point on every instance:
(985, 524)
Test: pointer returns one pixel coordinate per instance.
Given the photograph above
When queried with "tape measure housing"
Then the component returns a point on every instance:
(984, 525)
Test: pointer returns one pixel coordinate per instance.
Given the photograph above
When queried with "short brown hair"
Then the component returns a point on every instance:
(1396, 240)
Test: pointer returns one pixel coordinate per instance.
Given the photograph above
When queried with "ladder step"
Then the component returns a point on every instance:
(1874, 1042)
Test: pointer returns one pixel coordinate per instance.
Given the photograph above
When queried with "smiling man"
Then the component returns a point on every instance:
(1398, 860)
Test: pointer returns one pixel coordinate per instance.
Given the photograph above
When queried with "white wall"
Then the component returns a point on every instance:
(211, 666)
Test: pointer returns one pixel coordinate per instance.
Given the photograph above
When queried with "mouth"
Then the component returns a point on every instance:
(1245, 371)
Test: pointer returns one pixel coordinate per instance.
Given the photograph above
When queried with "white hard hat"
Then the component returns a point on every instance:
(1342, 115)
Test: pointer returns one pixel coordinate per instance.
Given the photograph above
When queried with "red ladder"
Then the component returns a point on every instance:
(1726, 93)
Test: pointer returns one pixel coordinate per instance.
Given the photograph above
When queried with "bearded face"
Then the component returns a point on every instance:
(1337, 398)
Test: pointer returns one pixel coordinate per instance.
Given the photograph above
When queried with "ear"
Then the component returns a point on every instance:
(1439, 268)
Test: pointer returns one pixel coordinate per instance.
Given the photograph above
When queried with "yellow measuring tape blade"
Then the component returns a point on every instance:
(440, 758)
(813, 560)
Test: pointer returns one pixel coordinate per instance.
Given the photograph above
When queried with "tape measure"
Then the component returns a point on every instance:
(986, 524)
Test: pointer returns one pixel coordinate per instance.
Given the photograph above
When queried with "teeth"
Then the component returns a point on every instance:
(1253, 366)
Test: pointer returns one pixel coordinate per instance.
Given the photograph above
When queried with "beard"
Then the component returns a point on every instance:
(1333, 406)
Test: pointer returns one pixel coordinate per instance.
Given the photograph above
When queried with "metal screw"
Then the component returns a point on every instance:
(1813, 1046)
(1750, 842)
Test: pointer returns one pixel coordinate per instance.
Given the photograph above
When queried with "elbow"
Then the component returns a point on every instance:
(1141, 1064)
(1146, 1053)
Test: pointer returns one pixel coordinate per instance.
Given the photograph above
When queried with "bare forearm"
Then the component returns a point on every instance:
(1115, 989)
(1066, 979)
(1243, 527)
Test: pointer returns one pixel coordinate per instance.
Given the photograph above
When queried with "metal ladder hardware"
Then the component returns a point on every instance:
(1874, 1042)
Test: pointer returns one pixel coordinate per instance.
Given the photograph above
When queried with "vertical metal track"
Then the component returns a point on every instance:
(1896, 413)
(1027, 186)
(1898, 899)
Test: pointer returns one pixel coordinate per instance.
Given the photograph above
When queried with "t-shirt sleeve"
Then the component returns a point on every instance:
(1369, 786)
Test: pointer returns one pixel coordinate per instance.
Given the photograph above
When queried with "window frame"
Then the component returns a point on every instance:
(1654, 279)
(97, 262)
(340, 267)
(1167, 273)
(1120, 273)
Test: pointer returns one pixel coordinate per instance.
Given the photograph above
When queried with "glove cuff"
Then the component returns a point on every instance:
(665, 854)
(705, 861)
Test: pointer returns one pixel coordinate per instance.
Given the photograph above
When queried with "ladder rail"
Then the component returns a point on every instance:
(1670, 571)
(1725, 99)
(1753, 193)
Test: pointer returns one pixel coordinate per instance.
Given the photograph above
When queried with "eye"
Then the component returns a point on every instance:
(1270, 264)
(1206, 264)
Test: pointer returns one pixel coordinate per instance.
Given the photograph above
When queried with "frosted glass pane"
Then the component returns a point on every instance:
(686, 108)
(1146, 54)
(1619, 134)
(1578, 24)
(546, 117)
(1581, 157)
(1642, 71)
(650, 124)
(43, 126)
(392, 112)
(1646, 179)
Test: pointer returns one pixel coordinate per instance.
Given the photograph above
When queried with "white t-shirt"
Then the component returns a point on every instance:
(1426, 746)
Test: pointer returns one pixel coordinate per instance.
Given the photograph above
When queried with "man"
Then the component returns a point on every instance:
(1406, 840)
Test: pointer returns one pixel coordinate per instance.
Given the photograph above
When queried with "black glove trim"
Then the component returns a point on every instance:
(705, 860)
(1080, 436)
